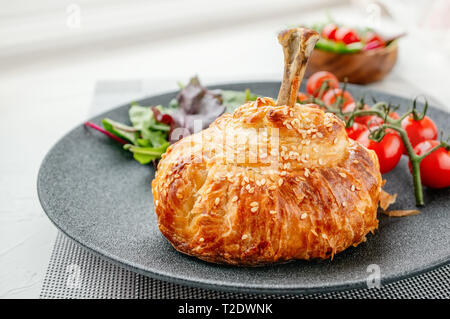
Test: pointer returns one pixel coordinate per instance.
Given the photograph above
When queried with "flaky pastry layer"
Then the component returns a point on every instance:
(267, 184)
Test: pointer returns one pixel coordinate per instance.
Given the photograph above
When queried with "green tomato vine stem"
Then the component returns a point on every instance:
(382, 110)
(396, 125)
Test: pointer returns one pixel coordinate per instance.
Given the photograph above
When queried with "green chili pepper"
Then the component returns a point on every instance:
(338, 47)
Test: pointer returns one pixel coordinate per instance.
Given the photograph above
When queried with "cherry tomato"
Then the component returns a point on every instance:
(435, 168)
(419, 131)
(329, 31)
(363, 119)
(355, 130)
(302, 97)
(331, 96)
(363, 137)
(315, 82)
(374, 120)
(349, 107)
(388, 150)
(394, 115)
(346, 35)
(368, 120)
(372, 36)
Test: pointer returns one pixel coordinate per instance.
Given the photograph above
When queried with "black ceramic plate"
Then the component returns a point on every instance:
(99, 196)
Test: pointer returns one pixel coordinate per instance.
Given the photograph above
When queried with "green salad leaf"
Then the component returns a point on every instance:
(148, 138)
(233, 99)
(121, 130)
(148, 135)
(145, 155)
(154, 138)
(152, 132)
(142, 118)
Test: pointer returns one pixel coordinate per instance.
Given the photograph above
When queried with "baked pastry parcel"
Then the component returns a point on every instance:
(272, 182)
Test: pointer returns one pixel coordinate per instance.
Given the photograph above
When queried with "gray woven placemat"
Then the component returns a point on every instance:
(74, 272)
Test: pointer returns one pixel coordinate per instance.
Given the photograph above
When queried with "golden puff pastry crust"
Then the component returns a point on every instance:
(267, 184)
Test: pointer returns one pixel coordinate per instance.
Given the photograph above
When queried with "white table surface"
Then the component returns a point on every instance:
(41, 101)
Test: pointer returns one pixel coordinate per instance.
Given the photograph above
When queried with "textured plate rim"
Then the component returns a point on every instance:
(216, 285)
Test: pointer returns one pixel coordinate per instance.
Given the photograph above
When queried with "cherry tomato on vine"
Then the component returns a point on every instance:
(373, 41)
(368, 120)
(419, 131)
(389, 150)
(377, 121)
(394, 115)
(302, 97)
(372, 36)
(346, 35)
(329, 31)
(362, 119)
(349, 107)
(332, 95)
(355, 130)
(374, 121)
(314, 83)
(435, 168)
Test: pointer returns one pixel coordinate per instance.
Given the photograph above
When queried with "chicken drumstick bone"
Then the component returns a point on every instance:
(298, 44)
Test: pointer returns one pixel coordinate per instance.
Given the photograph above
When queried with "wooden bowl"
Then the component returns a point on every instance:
(361, 67)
